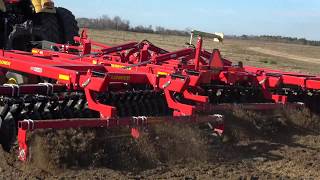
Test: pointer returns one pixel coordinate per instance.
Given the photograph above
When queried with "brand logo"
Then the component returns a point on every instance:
(120, 78)
(36, 69)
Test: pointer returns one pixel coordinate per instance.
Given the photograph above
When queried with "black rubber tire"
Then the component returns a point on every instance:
(48, 23)
(68, 24)
(22, 78)
(8, 131)
(21, 36)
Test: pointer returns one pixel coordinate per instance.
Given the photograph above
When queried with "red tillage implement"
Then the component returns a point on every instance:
(132, 85)
(211, 77)
(121, 97)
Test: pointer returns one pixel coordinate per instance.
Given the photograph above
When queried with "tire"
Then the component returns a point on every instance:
(21, 36)
(48, 23)
(21, 78)
(68, 24)
(8, 131)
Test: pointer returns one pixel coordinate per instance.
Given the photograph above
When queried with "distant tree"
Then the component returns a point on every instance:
(116, 23)
(282, 39)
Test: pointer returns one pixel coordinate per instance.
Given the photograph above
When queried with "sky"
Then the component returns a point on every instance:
(294, 18)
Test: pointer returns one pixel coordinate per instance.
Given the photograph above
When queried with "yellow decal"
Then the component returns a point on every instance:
(120, 78)
(162, 73)
(94, 62)
(4, 62)
(119, 66)
(36, 51)
(64, 77)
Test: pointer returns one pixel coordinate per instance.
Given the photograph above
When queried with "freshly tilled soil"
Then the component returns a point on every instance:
(256, 146)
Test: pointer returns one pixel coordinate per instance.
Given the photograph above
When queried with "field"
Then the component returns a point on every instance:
(291, 150)
(288, 57)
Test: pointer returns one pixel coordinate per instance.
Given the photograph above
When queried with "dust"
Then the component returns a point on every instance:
(170, 143)
(301, 118)
(56, 150)
(244, 125)
(180, 143)
(70, 148)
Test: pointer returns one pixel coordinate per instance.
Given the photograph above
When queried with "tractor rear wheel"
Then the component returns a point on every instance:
(68, 25)
(48, 23)
(22, 35)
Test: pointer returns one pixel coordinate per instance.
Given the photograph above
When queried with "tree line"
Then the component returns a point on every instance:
(117, 23)
(281, 39)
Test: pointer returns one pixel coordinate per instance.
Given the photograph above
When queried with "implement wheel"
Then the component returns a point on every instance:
(19, 78)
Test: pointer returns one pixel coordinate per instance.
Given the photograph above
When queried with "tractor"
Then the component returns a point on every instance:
(26, 22)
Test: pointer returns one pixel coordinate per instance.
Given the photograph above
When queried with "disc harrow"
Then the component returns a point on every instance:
(133, 85)
(212, 78)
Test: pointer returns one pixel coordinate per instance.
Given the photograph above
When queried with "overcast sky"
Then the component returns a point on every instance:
(297, 18)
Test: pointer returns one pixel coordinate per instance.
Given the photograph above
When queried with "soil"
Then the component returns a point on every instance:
(283, 144)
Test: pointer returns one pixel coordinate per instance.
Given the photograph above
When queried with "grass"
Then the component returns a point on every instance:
(234, 50)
